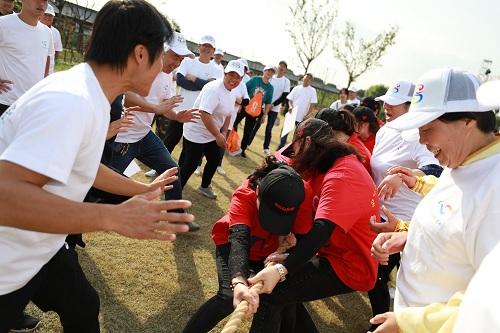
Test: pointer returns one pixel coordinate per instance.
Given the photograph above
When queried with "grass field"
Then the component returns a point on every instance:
(152, 286)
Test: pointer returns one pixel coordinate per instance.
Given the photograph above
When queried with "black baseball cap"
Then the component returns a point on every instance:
(281, 193)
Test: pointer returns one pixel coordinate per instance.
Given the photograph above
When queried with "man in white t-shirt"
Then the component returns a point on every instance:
(281, 85)
(217, 61)
(206, 136)
(48, 20)
(51, 141)
(192, 75)
(246, 77)
(301, 100)
(352, 96)
(139, 141)
(25, 49)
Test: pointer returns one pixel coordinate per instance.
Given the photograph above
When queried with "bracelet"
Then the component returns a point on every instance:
(401, 226)
(281, 271)
(233, 285)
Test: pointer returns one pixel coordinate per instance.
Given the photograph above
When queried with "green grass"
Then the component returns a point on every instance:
(152, 286)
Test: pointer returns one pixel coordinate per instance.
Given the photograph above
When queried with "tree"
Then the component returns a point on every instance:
(357, 55)
(376, 90)
(310, 28)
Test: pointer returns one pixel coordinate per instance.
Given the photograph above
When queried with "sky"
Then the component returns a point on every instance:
(432, 34)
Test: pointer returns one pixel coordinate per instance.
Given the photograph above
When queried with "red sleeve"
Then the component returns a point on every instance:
(305, 215)
(338, 200)
(243, 207)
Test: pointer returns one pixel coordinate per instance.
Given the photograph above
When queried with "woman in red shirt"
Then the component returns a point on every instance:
(269, 204)
(334, 257)
(367, 126)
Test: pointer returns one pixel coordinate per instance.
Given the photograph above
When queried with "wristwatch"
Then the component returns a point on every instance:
(281, 270)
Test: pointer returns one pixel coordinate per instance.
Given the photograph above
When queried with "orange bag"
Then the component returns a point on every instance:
(233, 143)
(254, 107)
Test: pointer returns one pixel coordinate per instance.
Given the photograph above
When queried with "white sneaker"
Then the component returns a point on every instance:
(197, 172)
(151, 173)
(267, 152)
(221, 171)
(207, 191)
(392, 292)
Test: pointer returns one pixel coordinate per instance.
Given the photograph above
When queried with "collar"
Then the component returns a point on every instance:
(485, 152)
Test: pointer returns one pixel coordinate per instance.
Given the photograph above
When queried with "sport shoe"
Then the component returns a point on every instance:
(197, 172)
(267, 152)
(242, 154)
(151, 173)
(207, 191)
(193, 226)
(27, 324)
(221, 171)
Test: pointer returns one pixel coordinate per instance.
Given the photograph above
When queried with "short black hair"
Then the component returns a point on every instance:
(283, 62)
(486, 121)
(120, 26)
(338, 120)
(343, 91)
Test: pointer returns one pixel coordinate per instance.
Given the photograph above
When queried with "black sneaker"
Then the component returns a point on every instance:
(26, 324)
(242, 154)
(193, 226)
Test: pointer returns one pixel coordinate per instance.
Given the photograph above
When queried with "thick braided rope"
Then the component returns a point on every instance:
(238, 314)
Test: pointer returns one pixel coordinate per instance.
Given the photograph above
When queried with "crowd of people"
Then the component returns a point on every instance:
(352, 196)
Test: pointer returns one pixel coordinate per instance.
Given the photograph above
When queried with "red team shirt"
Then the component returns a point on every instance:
(243, 210)
(361, 148)
(347, 196)
(369, 143)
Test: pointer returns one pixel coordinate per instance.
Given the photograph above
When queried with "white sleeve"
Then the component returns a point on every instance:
(48, 138)
(184, 66)
(51, 42)
(291, 95)
(208, 99)
(422, 156)
(58, 47)
(287, 86)
(314, 97)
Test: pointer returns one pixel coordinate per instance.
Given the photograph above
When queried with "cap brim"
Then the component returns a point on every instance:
(391, 100)
(274, 222)
(182, 51)
(488, 94)
(413, 120)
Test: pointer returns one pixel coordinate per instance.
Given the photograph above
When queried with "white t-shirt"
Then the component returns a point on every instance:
(390, 149)
(245, 78)
(280, 86)
(23, 55)
(454, 227)
(160, 90)
(220, 69)
(480, 307)
(200, 70)
(302, 97)
(354, 101)
(56, 129)
(240, 92)
(56, 37)
(216, 100)
(338, 105)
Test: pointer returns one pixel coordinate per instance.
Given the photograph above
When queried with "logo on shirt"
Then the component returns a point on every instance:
(444, 208)
(44, 44)
(419, 94)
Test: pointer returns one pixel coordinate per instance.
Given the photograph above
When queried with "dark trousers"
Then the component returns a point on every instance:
(271, 118)
(3, 107)
(192, 153)
(248, 129)
(220, 306)
(284, 138)
(60, 286)
(173, 134)
(315, 280)
(380, 299)
(150, 151)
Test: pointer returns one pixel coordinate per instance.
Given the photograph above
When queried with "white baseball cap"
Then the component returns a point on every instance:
(270, 67)
(400, 92)
(488, 94)
(235, 66)
(219, 51)
(207, 39)
(352, 88)
(438, 92)
(50, 10)
(244, 62)
(178, 45)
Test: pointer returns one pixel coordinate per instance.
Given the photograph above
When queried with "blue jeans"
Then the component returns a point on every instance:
(151, 151)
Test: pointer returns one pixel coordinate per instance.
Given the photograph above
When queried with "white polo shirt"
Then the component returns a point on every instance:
(280, 86)
(454, 227)
(216, 100)
(160, 90)
(302, 98)
(56, 129)
(23, 55)
(56, 36)
(390, 149)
